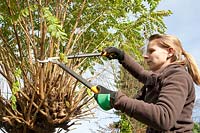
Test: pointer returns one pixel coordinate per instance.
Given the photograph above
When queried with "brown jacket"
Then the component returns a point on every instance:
(165, 102)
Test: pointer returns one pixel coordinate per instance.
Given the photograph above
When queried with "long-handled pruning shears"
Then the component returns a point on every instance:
(71, 72)
(50, 59)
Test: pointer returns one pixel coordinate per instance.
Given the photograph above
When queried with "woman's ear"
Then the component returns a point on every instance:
(170, 52)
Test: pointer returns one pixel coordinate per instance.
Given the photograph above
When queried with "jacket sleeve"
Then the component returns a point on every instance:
(141, 93)
(164, 113)
(144, 76)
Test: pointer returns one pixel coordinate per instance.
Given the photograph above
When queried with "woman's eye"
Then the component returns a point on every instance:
(151, 51)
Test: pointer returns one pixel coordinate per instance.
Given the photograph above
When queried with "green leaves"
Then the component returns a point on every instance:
(153, 4)
(15, 88)
(54, 27)
(89, 92)
(196, 128)
(17, 72)
(24, 13)
(13, 102)
(125, 124)
(63, 58)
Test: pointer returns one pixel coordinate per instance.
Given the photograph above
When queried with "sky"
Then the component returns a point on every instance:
(183, 23)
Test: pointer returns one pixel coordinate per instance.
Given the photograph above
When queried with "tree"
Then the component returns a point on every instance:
(44, 97)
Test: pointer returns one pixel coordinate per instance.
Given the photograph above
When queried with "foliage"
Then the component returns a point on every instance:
(125, 125)
(196, 128)
(44, 97)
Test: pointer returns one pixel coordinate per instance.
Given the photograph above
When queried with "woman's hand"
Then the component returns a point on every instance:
(105, 98)
(113, 53)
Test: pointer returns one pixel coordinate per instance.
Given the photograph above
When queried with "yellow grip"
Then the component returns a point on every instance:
(95, 89)
(104, 53)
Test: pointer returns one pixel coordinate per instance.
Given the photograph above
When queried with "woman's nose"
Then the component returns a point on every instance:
(145, 56)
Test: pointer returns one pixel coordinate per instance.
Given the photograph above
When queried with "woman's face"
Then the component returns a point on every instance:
(156, 56)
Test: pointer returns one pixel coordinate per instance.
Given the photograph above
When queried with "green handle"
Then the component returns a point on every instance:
(104, 101)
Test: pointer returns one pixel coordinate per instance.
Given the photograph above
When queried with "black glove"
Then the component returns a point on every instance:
(113, 53)
(105, 98)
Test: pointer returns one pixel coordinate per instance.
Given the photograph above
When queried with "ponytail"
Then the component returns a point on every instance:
(192, 67)
(168, 41)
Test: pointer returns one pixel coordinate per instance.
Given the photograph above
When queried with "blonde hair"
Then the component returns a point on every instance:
(180, 55)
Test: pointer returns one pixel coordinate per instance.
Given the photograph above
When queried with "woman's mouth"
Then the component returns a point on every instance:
(149, 62)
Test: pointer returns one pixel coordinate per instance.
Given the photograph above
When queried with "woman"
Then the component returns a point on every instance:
(167, 98)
